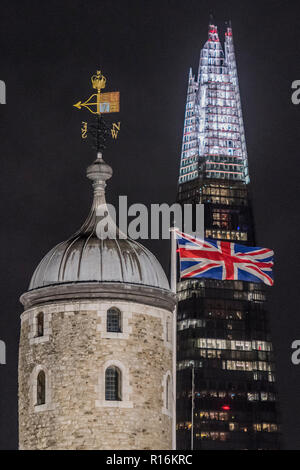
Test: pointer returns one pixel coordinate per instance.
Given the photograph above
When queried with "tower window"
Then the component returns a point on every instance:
(113, 384)
(113, 321)
(168, 393)
(40, 324)
(168, 328)
(41, 388)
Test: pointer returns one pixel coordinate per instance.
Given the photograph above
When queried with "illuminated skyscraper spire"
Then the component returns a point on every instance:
(226, 391)
(214, 140)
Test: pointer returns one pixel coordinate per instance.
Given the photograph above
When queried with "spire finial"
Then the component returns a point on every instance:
(212, 30)
(99, 172)
(229, 29)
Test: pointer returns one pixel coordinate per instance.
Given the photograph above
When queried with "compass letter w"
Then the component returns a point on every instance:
(115, 130)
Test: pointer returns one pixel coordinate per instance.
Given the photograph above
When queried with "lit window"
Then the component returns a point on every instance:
(113, 384)
(113, 321)
(252, 396)
(233, 426)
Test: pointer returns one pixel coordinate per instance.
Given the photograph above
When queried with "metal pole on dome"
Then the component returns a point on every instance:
(173, 283)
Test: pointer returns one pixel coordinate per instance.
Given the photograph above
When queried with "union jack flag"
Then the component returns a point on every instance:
(224, 260)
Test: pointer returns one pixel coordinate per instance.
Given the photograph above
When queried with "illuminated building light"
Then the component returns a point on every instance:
(224, 171)
(220, 163)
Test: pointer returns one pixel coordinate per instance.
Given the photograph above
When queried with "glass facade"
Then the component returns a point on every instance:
(213, 126)
(223, 335)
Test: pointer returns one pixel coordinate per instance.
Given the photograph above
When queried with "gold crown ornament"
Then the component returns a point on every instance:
(98, 81)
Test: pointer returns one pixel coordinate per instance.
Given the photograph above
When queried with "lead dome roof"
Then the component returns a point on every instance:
(85, 257)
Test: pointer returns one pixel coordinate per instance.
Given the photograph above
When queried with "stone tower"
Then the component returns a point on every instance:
(95, 357)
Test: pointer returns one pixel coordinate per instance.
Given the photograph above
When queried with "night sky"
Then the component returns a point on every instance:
(49, 50)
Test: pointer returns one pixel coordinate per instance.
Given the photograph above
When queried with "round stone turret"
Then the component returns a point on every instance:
(95, 359)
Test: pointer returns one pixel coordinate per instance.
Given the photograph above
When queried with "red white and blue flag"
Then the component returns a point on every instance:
(224, 260)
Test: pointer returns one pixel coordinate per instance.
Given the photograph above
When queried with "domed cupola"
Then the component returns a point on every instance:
(87, 257)
(96, 346)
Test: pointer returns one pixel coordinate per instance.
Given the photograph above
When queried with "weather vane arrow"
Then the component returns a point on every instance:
(77, 105)
(89, 103)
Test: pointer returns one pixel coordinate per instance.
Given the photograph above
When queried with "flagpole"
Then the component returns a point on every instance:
(173, 260)
(193, 407)
(173, 289)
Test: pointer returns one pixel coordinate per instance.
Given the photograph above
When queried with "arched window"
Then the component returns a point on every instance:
(40, 324)
(113, 320)
(113, 384)
(41, 388)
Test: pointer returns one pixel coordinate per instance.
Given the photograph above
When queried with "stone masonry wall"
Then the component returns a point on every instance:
(74, 352)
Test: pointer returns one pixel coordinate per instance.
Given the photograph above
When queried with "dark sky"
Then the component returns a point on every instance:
(49, 49)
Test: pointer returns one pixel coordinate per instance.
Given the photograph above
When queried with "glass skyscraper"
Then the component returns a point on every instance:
(226, 396)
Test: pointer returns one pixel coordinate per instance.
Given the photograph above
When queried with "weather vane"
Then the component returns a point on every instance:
(98, 104)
